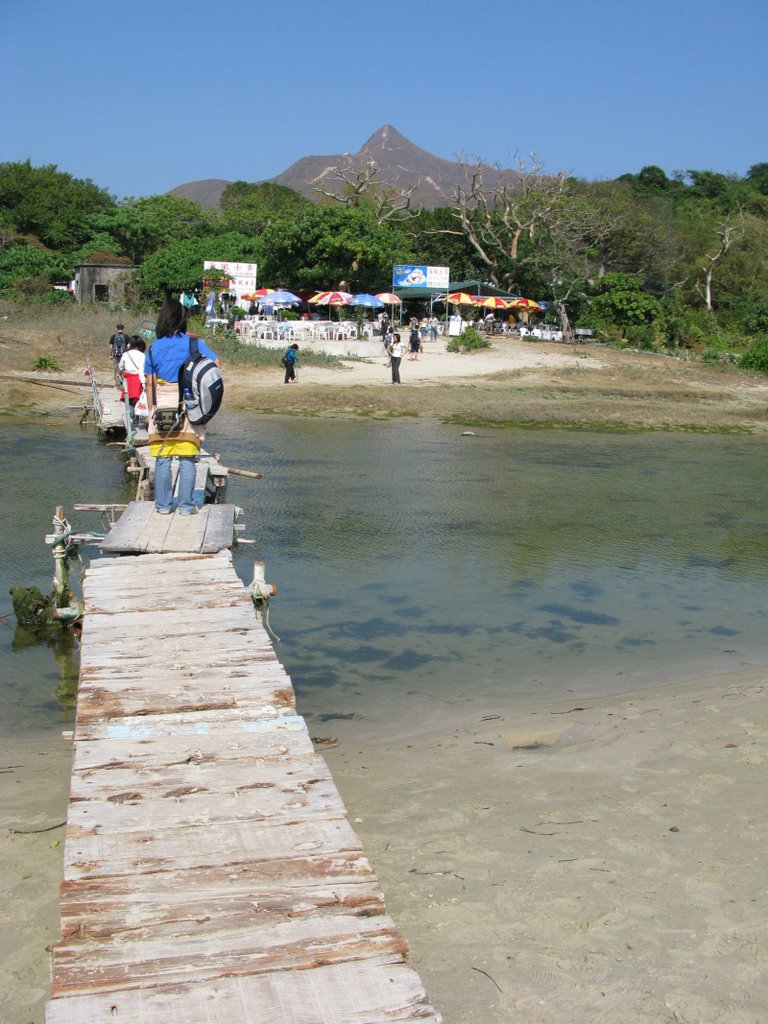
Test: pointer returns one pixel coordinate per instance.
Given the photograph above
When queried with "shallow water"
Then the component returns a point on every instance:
(420, 570)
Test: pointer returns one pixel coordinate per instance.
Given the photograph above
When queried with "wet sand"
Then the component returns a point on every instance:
(583, 861)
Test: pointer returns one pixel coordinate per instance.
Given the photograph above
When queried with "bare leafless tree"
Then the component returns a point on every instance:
(496, 208)
(354, 184)
(727, 231)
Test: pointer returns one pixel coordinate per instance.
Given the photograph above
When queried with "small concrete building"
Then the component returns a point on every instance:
(102, 282)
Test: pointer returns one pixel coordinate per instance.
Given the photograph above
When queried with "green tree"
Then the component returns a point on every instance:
(20, 263)
(178, 267)
(434, 247)
(757, 176)
(326, 247)
(49, 204)
(250, 208)
(619, 299)
(140, 226)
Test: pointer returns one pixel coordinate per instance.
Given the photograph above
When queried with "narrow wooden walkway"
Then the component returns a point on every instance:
(140, 529)
(210, 873)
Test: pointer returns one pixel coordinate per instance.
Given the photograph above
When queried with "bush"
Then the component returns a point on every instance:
(754, 318)
(710, 355)
(47, 364)
(756, 357)
(468, 341)
(685, 327)
(641, 336)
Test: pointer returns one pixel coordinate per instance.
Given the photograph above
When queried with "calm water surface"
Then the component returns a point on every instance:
(421, 571)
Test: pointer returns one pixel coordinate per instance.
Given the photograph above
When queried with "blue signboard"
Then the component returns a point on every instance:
(413, 276)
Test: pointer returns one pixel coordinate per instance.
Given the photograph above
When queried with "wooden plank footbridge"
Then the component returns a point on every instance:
(210, 872)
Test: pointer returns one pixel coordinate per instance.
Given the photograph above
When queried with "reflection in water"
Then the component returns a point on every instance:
(63, 643)
(419, 569)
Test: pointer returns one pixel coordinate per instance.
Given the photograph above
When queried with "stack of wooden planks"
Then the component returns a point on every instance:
(210, 873)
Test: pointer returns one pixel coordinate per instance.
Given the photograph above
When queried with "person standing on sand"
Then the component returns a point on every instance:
(289, 361)
(395, 354)
(414, 342)
(183, 440)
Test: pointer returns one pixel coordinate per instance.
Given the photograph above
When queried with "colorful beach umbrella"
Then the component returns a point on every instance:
(280, 298)
(528, 304)
(368, 301)
(389, 298)
(460, 299)
(331, 299)
(492, 302)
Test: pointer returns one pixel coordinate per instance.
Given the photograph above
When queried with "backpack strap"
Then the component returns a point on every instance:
(154, 377)
(194, 352)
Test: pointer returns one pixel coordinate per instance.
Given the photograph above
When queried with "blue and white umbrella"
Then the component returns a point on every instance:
(369, 301)
(280, 298)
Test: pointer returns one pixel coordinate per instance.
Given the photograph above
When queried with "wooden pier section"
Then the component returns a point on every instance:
(210, 872)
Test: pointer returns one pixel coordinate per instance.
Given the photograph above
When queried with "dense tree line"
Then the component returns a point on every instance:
(649, 258)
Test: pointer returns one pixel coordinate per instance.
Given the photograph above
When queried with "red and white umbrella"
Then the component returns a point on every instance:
(331, 299)
(460, 299)
(492, 302)
(389, 298)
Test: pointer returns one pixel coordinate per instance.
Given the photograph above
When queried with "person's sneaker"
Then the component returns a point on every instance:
(189, 512)
(163, 511)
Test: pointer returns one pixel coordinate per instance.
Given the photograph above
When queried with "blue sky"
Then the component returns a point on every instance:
(144, 95)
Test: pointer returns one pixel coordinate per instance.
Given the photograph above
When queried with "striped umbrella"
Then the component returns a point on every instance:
(389, 298)
(492, 302)
(460, 299)
(331, 299)
(528, 304)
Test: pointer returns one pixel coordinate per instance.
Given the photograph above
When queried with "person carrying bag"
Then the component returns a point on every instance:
(171, 435)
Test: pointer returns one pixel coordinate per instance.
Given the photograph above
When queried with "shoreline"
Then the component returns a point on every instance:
(580, 859)
(515, 382)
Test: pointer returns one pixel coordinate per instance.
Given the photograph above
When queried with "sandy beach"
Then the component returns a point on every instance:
(586, 861)
(583, 861)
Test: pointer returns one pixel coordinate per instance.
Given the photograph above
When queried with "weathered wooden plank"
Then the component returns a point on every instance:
(367, 992)
(94, 701)
(171, 736)
(202, 793)
(225, 615)
(219, 531)
(252, 946)
(109, 904)
(171, 561)
(88, 856)
(134, 518)
(142, 529)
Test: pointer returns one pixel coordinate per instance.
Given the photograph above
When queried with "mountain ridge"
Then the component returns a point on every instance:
(401, 164)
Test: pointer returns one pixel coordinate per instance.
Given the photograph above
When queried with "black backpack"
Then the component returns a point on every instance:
(119, 341)
(201, 387)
